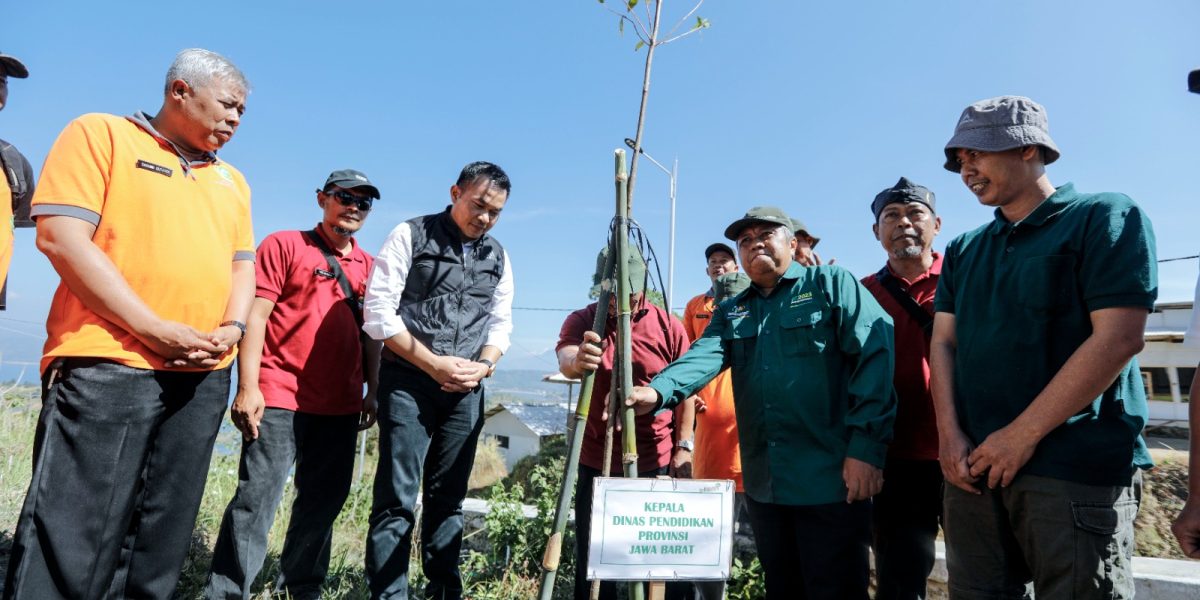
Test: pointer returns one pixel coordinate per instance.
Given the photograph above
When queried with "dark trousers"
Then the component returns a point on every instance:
(906, 517)
(583, 530)
(119, 464)
(427, 440)
(813, 552)
(322, 449)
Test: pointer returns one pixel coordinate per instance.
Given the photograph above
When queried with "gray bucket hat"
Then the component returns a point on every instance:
(998, 124)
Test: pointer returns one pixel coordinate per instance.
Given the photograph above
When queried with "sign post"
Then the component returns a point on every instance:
(661, 529)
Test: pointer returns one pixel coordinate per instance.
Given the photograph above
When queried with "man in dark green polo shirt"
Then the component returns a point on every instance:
(811, 354)
(1039, 403)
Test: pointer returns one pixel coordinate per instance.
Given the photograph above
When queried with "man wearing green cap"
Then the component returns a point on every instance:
(811, 354)
(16, 184)
(656, 338)
(300, 401)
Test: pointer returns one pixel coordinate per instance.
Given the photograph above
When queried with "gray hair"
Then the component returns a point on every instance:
(198, 67)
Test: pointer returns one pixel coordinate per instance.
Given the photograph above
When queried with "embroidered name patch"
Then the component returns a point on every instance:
(149, 166)
(801, 299)
(738, 312)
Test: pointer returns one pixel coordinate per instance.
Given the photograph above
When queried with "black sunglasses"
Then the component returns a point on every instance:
(348, 199)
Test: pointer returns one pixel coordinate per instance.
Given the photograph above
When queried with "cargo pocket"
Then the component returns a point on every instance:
(1104, 547)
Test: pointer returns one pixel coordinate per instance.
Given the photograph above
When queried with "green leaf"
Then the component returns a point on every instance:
(638, 46)
(621, 26)
(631, 3)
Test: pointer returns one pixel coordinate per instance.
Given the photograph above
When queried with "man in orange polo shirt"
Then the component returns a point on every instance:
(16, 182)
(151, 235)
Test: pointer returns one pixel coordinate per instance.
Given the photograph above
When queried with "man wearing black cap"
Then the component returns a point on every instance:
(300, 400)
(811, 355)
(907, 511)
(1039, 402)
(1187, 526)
(16, 185)
(440, 298)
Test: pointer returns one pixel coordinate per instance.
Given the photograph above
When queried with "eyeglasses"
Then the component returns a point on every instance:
(348, 199)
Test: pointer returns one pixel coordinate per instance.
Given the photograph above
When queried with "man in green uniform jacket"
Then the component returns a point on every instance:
(811, 354)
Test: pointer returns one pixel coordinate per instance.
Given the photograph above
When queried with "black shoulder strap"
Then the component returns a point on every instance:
(347, 289)
(906, 301)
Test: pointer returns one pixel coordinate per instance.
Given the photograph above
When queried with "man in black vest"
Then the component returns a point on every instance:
(440, 298)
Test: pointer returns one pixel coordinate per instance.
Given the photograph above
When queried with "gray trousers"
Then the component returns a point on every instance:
(322, 449)
(1049, 537)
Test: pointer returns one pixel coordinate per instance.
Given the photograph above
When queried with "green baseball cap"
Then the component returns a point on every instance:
(758, 214)
(635, 271)
(799, 227)
(730, 285)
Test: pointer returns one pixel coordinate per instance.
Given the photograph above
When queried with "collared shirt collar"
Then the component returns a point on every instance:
(792, 273)
(328, 242)
(934, 269)
(1049, 208)
(142, 120)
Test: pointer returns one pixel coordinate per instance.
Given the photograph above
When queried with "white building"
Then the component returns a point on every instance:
(520, 429)
(1167, 367)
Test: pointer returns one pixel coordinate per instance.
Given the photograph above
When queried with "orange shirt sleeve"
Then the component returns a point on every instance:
(77, 171)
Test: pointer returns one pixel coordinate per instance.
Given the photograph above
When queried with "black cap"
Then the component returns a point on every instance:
(761, 214)
(1194, 82)
(351, 179)
(903, 192)
(12, 67)
(718, 247)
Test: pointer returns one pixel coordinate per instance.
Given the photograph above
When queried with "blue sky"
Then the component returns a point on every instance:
(814, 107)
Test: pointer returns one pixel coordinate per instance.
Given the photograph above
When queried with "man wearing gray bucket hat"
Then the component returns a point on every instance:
(810, 351)
(1039, 402)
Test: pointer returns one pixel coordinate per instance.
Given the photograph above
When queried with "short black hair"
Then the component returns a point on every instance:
(484, 170)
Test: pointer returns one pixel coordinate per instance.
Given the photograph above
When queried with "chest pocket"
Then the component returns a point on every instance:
(805, 329)
(1046, 284)
(741, 337)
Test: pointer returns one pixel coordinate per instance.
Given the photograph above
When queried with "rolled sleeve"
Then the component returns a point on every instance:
(866, 335)
(500, 323)
(386, 285)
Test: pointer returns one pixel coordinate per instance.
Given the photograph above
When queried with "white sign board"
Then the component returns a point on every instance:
(661, 529)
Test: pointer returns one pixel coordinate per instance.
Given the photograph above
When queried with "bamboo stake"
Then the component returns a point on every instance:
(553, 553)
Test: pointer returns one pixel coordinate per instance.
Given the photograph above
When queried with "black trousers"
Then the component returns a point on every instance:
(427, 440)
(816, 552)
(907, 513)
(119, 464)
(322, 449)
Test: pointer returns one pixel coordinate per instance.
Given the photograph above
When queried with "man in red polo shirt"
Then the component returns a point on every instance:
(656, 338)
(908, 509)
(300, 397)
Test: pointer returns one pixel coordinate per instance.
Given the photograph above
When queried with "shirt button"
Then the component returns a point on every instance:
(768, 405)
(772, 444)
(766, 367)
(766, 332)
(1009, 249)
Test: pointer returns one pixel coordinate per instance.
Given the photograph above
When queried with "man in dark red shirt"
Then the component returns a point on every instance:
(656, 338)
(908, 509)
(301, 369)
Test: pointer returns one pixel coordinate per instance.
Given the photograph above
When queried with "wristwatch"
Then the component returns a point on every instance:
(240, 325)
(688, 445)
(491, 366)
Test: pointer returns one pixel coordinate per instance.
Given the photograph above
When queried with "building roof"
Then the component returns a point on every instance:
(542, 419)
